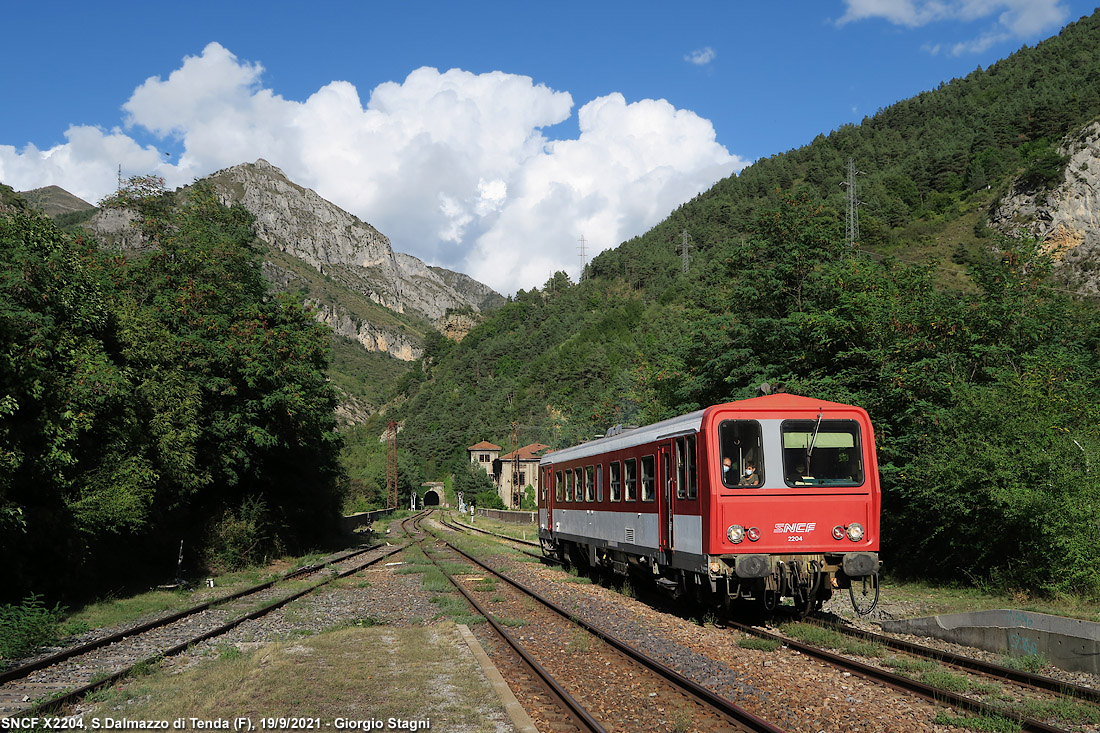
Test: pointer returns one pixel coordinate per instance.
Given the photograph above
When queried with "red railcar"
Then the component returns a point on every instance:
(755, 500)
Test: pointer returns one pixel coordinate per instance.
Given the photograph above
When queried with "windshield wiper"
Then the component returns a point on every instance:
(810, 447)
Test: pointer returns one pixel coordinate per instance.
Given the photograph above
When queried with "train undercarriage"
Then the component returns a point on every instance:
(735, 584)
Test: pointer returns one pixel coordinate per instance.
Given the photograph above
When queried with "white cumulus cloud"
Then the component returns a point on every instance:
(1012, 20)
(453, 166)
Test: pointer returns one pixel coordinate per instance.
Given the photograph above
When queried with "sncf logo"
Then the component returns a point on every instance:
(797, 528)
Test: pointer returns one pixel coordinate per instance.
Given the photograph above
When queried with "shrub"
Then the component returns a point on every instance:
(26, 627)
(241, 537)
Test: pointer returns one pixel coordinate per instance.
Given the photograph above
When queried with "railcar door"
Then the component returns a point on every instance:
(664, 502)
(546, 505)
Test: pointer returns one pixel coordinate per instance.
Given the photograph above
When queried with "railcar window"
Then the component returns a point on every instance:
(578, 482)
(616, 486)
(599, 482)
(822, 453)
(569, 484)
(648, 494)
(630, 475)
(559, 487)
(685, 468)
(589, 483)
(742, 453)
(692, 468)
(681, 478)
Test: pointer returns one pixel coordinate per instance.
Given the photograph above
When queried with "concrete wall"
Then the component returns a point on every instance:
(505, 515)
(353, 522)
(1068, 643)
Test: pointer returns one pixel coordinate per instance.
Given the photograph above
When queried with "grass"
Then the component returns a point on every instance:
(368, 673)
(990, 723)
(829, 639)
(455, 607)
(1031, 663)
(764, 645)
(1064, 709)
(579, 641)
(112, 611)
(930, 599)
(511, 622)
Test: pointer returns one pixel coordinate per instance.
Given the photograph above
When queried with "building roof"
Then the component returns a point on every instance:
(484, 445)
(527, 453)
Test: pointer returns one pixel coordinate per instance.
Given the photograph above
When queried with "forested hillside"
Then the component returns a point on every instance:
(980, 372)
(155, 399)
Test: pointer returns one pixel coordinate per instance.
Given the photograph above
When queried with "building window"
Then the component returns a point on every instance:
(484, 458)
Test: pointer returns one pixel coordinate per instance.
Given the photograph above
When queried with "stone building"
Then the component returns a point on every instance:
(512, 472)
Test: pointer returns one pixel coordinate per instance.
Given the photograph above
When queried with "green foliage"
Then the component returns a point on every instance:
(145, 394)
(241, 537)
(27, 627)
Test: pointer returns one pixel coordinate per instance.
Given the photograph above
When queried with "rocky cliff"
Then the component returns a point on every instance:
(298, 221)
(1066, 221)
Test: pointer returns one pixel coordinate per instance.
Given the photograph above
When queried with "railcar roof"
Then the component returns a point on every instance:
(682, 425)
(628, 438)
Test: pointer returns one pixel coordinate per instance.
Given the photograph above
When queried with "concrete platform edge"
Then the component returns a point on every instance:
(520, 719)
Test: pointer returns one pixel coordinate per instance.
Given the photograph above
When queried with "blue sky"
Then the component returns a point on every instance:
(487, 137)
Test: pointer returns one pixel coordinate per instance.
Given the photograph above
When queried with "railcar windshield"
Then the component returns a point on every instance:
(742, 453)
(822, 453)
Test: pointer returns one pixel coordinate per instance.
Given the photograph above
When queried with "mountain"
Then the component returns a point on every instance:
(55, 201)
(385, 301)
(297, 221)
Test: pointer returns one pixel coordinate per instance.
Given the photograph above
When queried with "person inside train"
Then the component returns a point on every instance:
(727, 464)
(797, 474)
(751, 478)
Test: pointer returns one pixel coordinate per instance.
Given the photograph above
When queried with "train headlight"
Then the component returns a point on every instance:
(736, 533)
(855, 531)
(753, 533)
(838, 532)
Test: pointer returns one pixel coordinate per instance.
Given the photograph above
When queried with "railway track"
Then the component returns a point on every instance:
(938, 693)
(470, 527)
(545, 699)
(51, 683)
(1023, 691)
(624, 688)
(961, 662)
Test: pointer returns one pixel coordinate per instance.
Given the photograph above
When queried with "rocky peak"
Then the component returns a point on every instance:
(298, 221)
